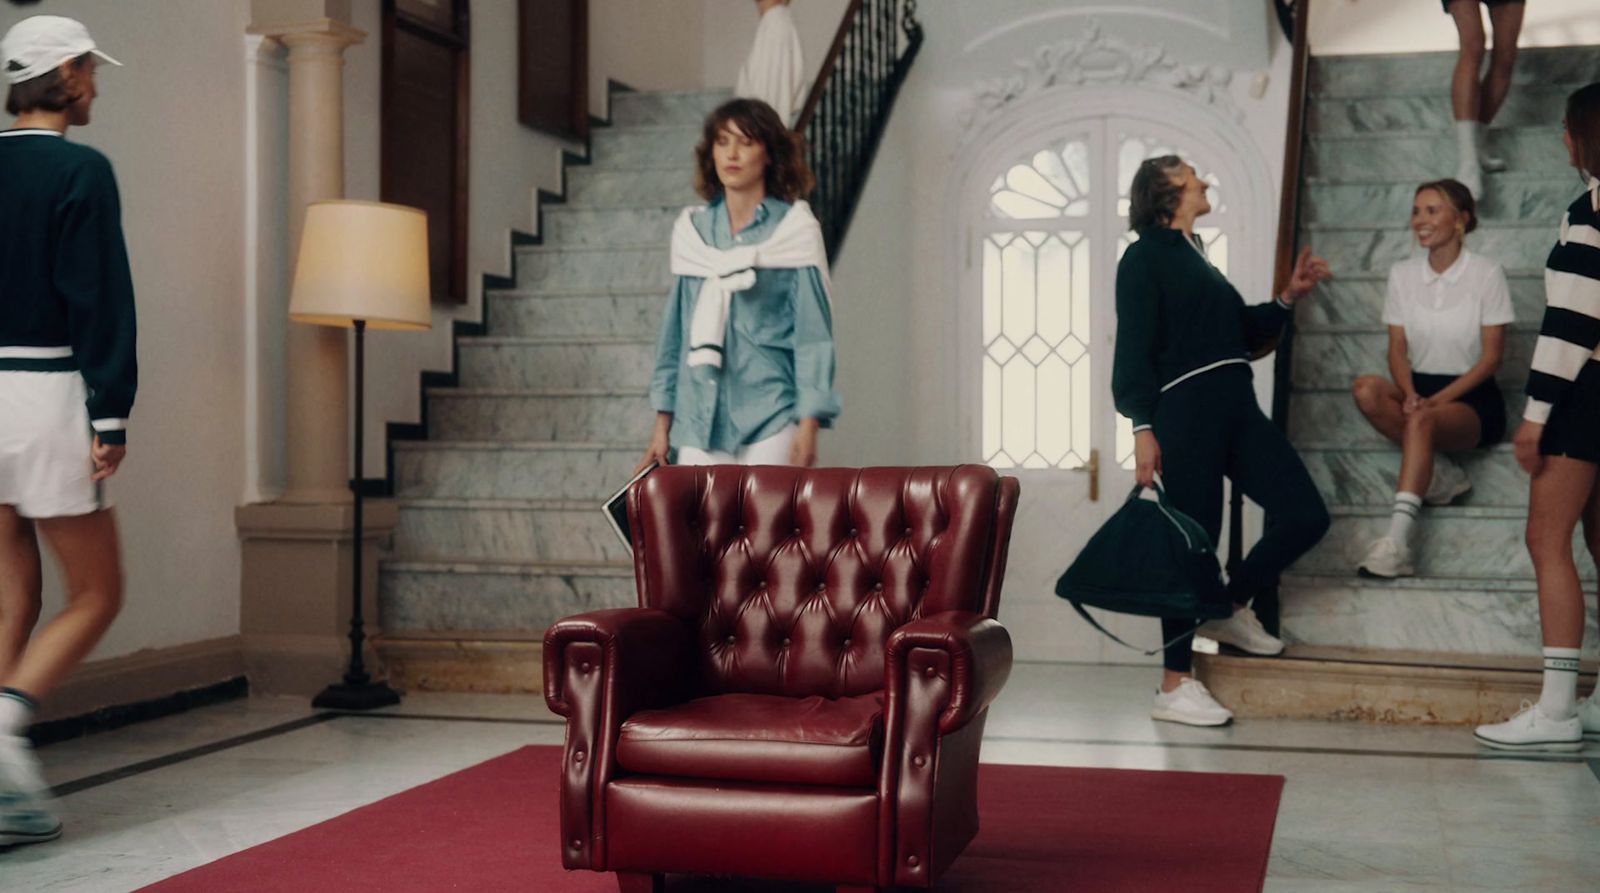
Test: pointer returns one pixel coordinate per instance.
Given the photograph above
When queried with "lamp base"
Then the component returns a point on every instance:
(367, 696)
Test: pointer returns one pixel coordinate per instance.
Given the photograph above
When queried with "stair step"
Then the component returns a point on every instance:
(1331, 414)
(643, 267)
(512, 469)
(526, 362)
(1508, 198)
(526, 414)
(1432, 154)
(1332, 361)
(441, 595)
(1421, 74)
(653, 144)
(1452, 541)
(577, 227)
(672, 107)
(1437, 614)
(629, 187)
(1390, 686)
(633, 315)
(1356, 298)
(505, 530)
(1529, 105)
(1520, 248)
(1367, 474)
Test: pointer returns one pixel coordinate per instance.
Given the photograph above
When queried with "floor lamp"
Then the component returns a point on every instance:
(361, 265)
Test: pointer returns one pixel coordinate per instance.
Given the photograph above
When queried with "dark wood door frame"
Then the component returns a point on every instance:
(563, 111)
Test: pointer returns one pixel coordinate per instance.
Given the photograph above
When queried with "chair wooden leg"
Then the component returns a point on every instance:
(630, 882)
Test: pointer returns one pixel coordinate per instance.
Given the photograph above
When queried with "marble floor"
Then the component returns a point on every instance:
(1366, 808)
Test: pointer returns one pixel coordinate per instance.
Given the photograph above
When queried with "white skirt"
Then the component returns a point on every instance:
(772, 451)
(46, 443)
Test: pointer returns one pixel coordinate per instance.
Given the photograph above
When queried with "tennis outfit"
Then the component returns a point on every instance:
(68, 369)
(1443, 315)
(1564, 381)
(775, 70)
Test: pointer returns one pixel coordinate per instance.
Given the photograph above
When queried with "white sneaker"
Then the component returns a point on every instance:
(1589, 717)
(1531, 729)
(1191, 704)
(1450, 482)
(1244, 632)
(1471, 176)
(1387, 559)
(25, 815)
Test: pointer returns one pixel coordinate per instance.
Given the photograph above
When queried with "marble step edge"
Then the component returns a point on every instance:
(487, 504)
(1518, 326)
(545, 294)
(523, 446)
(1458, 512)
(1487, 224)
(563, 210)
(460, 565)
(630, 167)
(1393, 179)
(1419, 133)
(573, 393)
(649, 128)
(1444, 584)
(550, 340)
(608, 248)
(1339, 446)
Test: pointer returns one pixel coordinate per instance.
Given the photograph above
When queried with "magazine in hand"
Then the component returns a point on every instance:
(616, 509)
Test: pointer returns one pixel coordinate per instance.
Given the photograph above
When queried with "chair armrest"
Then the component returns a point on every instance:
(645, 653)
(979, 650)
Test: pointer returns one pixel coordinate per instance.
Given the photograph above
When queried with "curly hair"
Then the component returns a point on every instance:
(1153, 197)
(788, 177)
(1583, 122)
(1456, 195)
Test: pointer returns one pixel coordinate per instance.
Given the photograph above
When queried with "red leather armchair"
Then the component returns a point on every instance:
(802, 692)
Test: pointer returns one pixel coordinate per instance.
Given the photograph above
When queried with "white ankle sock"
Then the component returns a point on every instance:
(16, 714)
(1469, 135)
(1406, 508)
(1559, 698)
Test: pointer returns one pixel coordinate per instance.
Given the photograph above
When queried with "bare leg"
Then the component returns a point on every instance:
(20, 586)
(1451, 427)
(1591, 522)
(1464, 87)
(1558, 496)
(86, 547)
(1507, 22)
(1380, 400)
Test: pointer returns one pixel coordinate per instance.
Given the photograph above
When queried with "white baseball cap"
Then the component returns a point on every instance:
(38, 45)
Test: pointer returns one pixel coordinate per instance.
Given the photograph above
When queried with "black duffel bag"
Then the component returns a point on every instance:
(1148, 559)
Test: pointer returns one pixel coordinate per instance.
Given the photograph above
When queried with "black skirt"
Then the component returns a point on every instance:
(1573, 429)
(1446, 3)
(1485, 400)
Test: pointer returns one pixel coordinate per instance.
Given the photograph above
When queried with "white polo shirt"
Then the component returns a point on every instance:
(1444, 313)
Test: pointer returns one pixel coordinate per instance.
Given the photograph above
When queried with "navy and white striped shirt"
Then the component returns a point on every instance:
(1569, 337)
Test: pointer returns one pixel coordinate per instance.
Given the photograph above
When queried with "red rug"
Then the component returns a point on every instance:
(492, 828)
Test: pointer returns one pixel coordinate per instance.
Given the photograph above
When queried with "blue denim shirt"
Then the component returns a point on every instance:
(778, 358)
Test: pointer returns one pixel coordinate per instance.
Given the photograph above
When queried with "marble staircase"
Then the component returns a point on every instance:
(500, 532)
(1378, 126)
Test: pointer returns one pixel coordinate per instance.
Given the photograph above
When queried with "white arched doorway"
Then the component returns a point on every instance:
(1041, 208)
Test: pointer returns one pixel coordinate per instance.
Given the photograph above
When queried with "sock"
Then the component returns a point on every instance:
(1406, 507)
(1469, 135)
(16, 711)
(1559, 698)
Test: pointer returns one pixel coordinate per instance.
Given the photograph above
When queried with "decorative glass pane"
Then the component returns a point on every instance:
(1054, 183)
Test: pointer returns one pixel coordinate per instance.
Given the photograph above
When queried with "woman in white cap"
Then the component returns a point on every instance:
(67, 380)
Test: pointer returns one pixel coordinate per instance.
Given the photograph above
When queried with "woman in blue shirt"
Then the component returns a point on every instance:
(745, 358)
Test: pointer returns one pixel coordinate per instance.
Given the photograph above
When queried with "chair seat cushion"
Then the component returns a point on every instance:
(762, 738)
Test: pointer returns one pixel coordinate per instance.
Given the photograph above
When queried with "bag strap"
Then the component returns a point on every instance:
(1084, 613)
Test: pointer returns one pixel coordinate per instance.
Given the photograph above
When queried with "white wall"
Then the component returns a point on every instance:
(173, 126)
(1386, 26)
(644, 44)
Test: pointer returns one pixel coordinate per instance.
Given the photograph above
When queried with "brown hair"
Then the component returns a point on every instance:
(1153, 197)
(788, 176)
(1456, 195)
(47, 91)
(1583, 122)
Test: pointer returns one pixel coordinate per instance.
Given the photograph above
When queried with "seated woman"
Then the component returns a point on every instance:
(1447, 314)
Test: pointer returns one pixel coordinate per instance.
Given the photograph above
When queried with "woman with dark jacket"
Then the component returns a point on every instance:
(1182, 374)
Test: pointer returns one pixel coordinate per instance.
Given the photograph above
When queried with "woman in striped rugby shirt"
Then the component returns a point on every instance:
(1559, 445)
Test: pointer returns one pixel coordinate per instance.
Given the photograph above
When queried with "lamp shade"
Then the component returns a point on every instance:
(362, 260)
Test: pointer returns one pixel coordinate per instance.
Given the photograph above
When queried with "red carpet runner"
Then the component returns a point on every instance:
(492, 829)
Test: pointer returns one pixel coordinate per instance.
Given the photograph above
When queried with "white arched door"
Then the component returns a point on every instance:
(1045, 224)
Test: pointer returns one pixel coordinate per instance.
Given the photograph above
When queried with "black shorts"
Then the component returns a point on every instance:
(1446, 3)
(1573, 429)
(1485, 400)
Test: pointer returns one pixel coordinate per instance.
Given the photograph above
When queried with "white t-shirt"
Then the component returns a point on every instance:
(1444, 313)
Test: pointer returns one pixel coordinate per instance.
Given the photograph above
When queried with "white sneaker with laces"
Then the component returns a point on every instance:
(1531, 729)
(1387, 559)
(25, 815)
(1191, 704)
(1589, 717)
(1244, 632)
(1471, 176)
(1450, 482)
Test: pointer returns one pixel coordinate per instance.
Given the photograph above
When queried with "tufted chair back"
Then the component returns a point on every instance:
(794, 578)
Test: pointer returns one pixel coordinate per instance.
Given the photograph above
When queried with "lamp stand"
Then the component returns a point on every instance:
(357, 691)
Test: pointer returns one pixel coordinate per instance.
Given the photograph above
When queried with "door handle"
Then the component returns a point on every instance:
(1092, 467)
